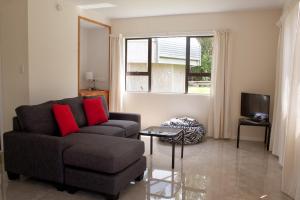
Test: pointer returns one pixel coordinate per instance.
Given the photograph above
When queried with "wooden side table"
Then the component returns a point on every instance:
(248, 122)
(90, 93)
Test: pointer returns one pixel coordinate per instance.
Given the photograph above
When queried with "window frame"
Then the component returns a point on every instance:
(188, 74)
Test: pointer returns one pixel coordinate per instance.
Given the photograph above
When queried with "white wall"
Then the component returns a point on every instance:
(14, 57)
(98, 41)
(53, 50)
(155, 108)
(52, 37)
(83, 84)
(94, 56)
(254, 38)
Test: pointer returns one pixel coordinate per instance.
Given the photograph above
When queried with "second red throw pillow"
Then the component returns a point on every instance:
(94, 111)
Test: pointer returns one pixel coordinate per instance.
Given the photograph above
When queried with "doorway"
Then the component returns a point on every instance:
(93, 57)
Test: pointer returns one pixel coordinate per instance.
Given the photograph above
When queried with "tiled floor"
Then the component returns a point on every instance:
(212, 170)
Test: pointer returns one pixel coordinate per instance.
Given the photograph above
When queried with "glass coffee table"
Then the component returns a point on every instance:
(156, 131)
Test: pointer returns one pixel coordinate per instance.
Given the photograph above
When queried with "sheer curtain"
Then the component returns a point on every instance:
(218, 121)
(117, 74)
(286, 46)
(286, 123)
(291, 162)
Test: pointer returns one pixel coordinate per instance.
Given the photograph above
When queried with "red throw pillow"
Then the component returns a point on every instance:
(65, 119)
(94, 111)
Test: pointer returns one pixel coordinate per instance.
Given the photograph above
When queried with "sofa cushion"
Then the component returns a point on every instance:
(101, 153)
(103, 130)
(104, 103)
(77, 109)
(65, 119)
(131, 127)
(38, 119)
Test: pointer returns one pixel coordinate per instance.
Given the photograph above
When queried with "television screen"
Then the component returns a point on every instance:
(254, 103)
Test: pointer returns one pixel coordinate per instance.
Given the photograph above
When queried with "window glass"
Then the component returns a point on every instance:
(137, 55)
(137, 83)
(168, 65)
(178, 64)
(199, 85)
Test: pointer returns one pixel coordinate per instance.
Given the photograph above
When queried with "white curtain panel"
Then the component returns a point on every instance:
(291, 162)
(218, 121)
(286, 47)
(117, 74)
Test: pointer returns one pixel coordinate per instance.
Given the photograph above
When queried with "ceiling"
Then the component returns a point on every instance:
(143, 8)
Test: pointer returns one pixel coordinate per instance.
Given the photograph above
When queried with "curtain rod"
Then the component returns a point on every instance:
(190, 33)
(174, 34)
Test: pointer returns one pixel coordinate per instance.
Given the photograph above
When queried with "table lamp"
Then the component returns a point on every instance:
(89, 76)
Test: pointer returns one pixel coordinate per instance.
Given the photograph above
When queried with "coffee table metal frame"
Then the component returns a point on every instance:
(156, 131)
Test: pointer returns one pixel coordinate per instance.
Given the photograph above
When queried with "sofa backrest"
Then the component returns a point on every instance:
(37, 118)
(40, 118)
(77, 109)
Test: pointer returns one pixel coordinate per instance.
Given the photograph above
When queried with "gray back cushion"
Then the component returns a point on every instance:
(38, 119)
(103, 102)
(77, 109)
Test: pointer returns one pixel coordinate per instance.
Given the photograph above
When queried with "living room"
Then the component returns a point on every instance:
(151, 73)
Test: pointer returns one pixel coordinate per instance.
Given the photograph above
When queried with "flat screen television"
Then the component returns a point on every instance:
(254, 103)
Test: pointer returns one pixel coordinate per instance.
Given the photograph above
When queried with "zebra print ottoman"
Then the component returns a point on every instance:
(193, 130)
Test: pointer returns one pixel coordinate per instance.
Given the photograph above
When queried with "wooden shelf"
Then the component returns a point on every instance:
(91, 93)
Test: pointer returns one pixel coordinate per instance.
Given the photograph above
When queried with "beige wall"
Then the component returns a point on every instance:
(52, 37)
(53, 49)
(14, 57)
(94, 56)
(254, 38)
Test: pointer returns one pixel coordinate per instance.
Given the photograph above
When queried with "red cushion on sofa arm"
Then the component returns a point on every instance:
(65, 119)
(94, 111)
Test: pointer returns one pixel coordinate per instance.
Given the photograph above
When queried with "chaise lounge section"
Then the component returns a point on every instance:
(103, 158)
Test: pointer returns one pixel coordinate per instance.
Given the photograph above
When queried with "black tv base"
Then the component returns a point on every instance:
(249, 122)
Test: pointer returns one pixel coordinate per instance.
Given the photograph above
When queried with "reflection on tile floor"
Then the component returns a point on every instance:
(212, 170)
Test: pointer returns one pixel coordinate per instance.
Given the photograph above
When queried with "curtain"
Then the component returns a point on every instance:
(291, 163)
(286, 46)
(218, 121)
(287, 38)
(117, 74)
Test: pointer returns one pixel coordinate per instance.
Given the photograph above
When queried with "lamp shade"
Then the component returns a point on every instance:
(89, 75)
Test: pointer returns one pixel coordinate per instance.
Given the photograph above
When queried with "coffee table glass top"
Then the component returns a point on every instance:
(161, 131)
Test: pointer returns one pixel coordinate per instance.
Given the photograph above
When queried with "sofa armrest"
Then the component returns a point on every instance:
(125, 116)
(36, 155)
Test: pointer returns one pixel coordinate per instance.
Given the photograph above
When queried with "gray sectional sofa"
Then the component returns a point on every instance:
(103, 158)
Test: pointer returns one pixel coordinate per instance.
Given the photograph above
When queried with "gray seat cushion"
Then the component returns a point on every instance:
(77, 109)
(101, 153)
(38, 119)
(104, 130)
(131, 127)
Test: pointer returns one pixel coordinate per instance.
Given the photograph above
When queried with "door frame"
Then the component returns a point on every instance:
(78, 60)
(1, 104)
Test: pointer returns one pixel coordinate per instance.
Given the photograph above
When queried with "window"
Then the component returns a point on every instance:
(169, 64)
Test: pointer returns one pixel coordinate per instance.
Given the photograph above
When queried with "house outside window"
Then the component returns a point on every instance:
(169, 64)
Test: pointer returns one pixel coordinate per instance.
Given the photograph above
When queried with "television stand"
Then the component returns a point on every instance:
(249, 122)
